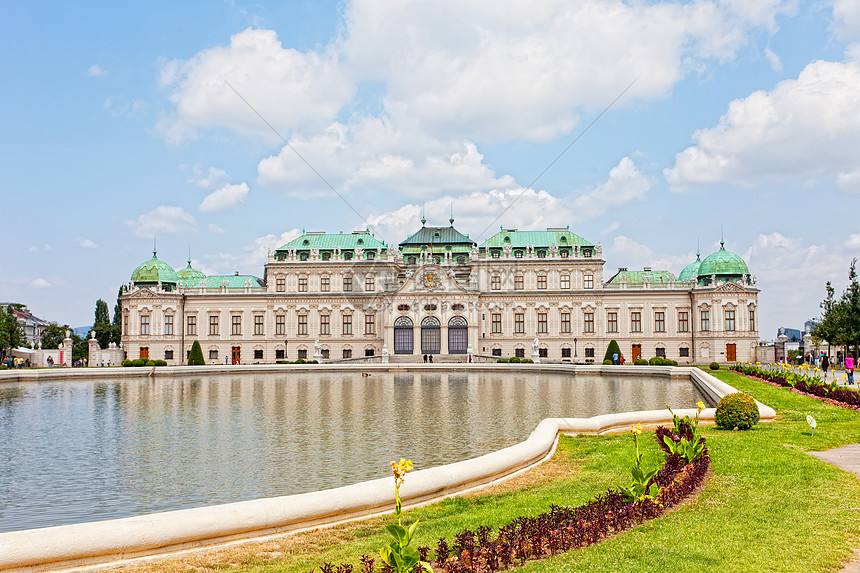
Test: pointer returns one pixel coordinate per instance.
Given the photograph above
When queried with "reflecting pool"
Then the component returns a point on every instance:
(74, 451)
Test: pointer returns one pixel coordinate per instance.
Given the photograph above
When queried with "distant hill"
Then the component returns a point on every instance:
(82, 331)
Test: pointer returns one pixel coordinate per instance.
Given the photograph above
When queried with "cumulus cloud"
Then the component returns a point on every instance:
(40, 283)
(162, 219)
(96, 71)
(634, 255)
(86, 243)
(291, 89)
(225, 197)
(625, 184)
(846, 19)
(807, 128)
(209, 178)
(252, 258)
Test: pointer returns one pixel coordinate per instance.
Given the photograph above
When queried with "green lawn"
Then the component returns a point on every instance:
(768, 507)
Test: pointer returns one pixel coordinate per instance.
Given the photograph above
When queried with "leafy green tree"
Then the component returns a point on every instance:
(11, 334)
(101, 323)
(116, 326)
(54, 335)
(612, 349)
(195, 358)
(840, 319)
(4, 332)
(80, 347)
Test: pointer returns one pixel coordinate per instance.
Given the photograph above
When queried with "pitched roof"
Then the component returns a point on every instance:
(543, 239)
(641, 277)
(331, 241)
(437, 236)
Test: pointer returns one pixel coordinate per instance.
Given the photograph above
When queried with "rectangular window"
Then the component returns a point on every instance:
(542, 325)
(213, 355)
(565, 323)
(635, 322)
(683, 322)
(496, 352)
(752, 320)
(325, 283)
(213, 325)
(258, 354)
(168, 325)
(325, 324)
(370, 324)
(496, 323)
(144, 325)
(259, 329)
(588, 281)
(588, 322)
(191, 326)
(660, 352)
(369, 283)
(236, 325)
(280, 284)
(520, 352)
(684, 352)
(518, 282)
(347, 352)
(706, 320)
(496, 282)
(303, 324)
(368, 351)
(303, 284)
(125, 325)
(347, 284)
(589, 353)
(541, 282)
(347, 324)
(730, 320)
(565, 352)
(659, 321)
(325, 353)
(519, 323)
(303, 353)
(611, 322)
(543, 352)
(168, 355)
(280, 324)
(565, 281)
(279, 354)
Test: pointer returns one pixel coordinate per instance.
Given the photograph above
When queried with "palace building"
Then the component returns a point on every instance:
(348, 296)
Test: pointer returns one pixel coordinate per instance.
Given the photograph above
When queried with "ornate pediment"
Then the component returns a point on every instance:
(730, 287)
(430, 279)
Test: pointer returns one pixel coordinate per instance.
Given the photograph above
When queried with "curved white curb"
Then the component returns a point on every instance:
(104, 542)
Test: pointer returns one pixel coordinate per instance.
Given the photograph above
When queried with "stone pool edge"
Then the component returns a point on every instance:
(105, 544)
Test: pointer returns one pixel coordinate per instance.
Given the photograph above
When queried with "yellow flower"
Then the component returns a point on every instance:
(636, 430)
(700, 405)
(400, 468)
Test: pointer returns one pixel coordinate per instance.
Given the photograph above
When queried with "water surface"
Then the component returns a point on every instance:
(73, 451)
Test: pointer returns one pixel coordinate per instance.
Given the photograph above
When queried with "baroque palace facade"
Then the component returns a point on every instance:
(348, 296)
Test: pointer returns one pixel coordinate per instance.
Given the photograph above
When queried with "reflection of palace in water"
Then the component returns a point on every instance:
(347, 296)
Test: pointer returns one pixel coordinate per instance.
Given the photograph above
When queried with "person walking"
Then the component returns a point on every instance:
(849, 368)
(825, 363)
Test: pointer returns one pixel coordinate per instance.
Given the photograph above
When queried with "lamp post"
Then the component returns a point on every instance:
(575, 357)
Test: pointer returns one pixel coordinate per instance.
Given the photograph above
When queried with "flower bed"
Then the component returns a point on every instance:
(561, 528)
(799, 382)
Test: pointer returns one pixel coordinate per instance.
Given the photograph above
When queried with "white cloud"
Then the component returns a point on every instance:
(224, 198)
(254, 255)
(162, 219)
(40, 283)
(206, 179)
(846, 19)
(807, 128)
(133, 109)
(625, 184)
(96, 71)
(633, 255)
(611, 228)
(773, 60)
(86, 243)
(33, 249)
(216, 230)
(289, 88)
(853, 241)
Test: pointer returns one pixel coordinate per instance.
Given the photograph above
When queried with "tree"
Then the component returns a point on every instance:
(101, 323)
(612, 349)
(11, 334)
(54, 335)
(116, 327)
(195, 358)
(840, 319)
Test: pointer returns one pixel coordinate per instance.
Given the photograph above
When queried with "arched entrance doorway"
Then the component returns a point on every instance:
(431, 335)
(458, 335)
(403, 343)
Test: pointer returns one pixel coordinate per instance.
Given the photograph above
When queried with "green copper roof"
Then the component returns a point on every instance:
(537, 239)
(437, 236)
(153, 271)
(641, 277)
(691, 271)
(231, 281)
(331, 241)
(724, 264)
(189, 273)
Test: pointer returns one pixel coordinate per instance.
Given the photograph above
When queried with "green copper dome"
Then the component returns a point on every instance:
(724, 265)
(189, 273)
(691, 271)
(154, 271)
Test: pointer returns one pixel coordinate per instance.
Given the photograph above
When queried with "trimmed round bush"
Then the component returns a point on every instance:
(160, 362)
(714, 366)
(127, 362)
(736, 410)
(502, 360)
(150, 363)
(514, 359)
(138, 362)
(640, 362)
(527, 361)
(607, 361)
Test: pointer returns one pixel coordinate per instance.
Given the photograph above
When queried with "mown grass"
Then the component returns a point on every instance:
(769, 506)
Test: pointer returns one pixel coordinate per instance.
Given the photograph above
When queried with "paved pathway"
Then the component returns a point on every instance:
(847, 458)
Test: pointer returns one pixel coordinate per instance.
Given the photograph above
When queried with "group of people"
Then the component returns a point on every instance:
(16, 362)
(428, 357)
(825, 364)
(617, 358)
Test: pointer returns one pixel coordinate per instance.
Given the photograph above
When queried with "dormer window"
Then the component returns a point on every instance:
(370, 255)
(360, 241)
(326, 256)
(563, 239)
(303, 256)
(518, 254)
(496, 254)
(541, 254)
(306, 242)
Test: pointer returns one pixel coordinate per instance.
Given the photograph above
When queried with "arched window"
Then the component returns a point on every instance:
(431, 336)
(458, 335)
(403, 341)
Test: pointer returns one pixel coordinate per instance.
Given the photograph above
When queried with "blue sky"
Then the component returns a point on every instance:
(118, 124)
